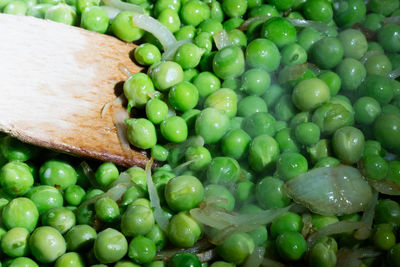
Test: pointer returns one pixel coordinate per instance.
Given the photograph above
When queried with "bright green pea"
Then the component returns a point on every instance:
(233, 23)
(216, 11)
(333, 81)
(223, 170)
(156, 110)
(212, 124)
(185, 32)
(331, 116)
(259, 123)
(234, 8)
(174, 129)
(264, 54)
(159, 153)
(46, 244)
(106, 173)
(183, 230)
(61, 13)
(349, 12)
(293, 54)
(386, 130)
(147, 54)
(321, 221)
(211, 26)
(193, 12)
(235, 144)
(13, 149)
(310, 93)
(290, 165)
(137, 89)
(375, 167)
(16, 178)
(206, 83)
(110, 246)
(55, 172)
(15, 242)
(348, 144)
(141, 133)
(166, 74)
(141, 250)
(82, 5)
(228, 62)
(307, 133)
(95, 19)
(286, 141)
(308, 36)
(352, 73)
(123, 28)
(70, 259)
(188, 55)
(237, 37)
(18, 8)
(107, 210)
(224, 100)
(190, 74)
(183, 96)
(291, 245)
(200, 156)
(327, 162)
(250, 105)
(354, 43)
(184, 192)
(280, 31)
(319, 150)
(59, 218)
(378, 64)
(263, 152)
(80, 237)
(46, 197)
(384, 239)
(170, 19)
(137, 220)
(255, 82)
(288, 222)
(299, 118)
(318, 10)
(74, 195)
(366, 110)
(263, 11)
(23, 261)
(38, 11)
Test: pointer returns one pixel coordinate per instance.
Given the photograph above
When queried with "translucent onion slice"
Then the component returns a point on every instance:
(159, 215)
(368, 217)
(221, 39)
(364, 59)
(123, 6)
(89, 173)
(271, 263)
(169, 55)
(112, 12)
(385, 186)
(201, 246)
(256, 258)
(150, 24)
(394, 74)
(292, 73)
(331, 191)
(352, 258)
(302, 23)
(117, 101)
(245, 25)
(307, 224)
(119, 118)
(392, 20)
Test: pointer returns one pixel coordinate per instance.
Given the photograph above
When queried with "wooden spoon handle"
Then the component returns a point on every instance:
(54, 82)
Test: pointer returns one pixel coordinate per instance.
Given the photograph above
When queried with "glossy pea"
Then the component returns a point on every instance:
(223, 99)
(263, 53)
(228, 62)
(156, 110)
(348, 144)
(352, 73)
(193, 12)
(212, 124)
(123, 28)
(183, 230)
(141, 133)
(137, 89)
(290, 165)
(235, 143)
(236, 248)
(110, 246)
(255, 82)
(184, 192)
(106, 173)
(46, 252)
(95, 19)
(288, 222)
(250, 105)
(147, 54)
(263, 152)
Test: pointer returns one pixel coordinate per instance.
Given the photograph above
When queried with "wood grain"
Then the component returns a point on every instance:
(54, 82)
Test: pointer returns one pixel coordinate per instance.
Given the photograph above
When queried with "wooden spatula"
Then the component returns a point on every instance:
(54, 83)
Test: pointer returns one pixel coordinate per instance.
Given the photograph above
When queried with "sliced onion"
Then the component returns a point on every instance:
(368, 217)
(123, 178)
(245, 25)
(198, 248)
(112, 12)
(221, 39)
(332, 229)
(117, 101)
(125, 70)
(89, 173)
(292, 73)
(307, 224)
(352, 258)
(392, 20)
(331, 191)
(271, 263)
(124, 6)
(119, 118)
(169, 54)
(159, 215)
(302, 23)
(256, 258)
(178, 170)
(394, 74)
(364, 59)
(385, 186)
(147, 23)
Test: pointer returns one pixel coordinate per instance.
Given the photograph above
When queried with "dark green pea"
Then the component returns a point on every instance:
(387, 211)
(255, 81)
(220, 196)
(394, 171)
(332, 116)
(123, 28)
(141, 133)
(15, 242)
(206, 83)
(170, 19)
(13, 149)
(183, 230)
(80, 237)
(259, 123)
(234, 8)
(235, 144)
(223, 170)
(141, 250)
(184, 192)
(377, 87)
(378, 64)
(393, 255)
(389, 37)
(310, 93)
(366, 110)
(156, 110)
(288, 222)
(293, 54)
(228, 62)
(387, 130)
(137, 220)
(272, 95)
(286, 141)
(233, 23)
(264, 54)
(95, 19)
(147, 54)
(106, 173)
(373, 147)
(280, 31)
(291, 246)
(308, 36)
(349, 12)
(74, 195)
(224, 100)
(16, 178)
(327, 52)
(185, 32)
(307, 133)
(110, 246)
(290, 165)
(352, 73)
(263, 152)
(250, 105)
(318, 10)
(384, 7)
(212, 124)
(184, 259)
(193, 12)
(188, 55)
(384, 239)
(47, 251)
(348, 144)
(166, 74)
(236, 248)
(354, 43)
(284, 108)
(137, 89)
(373, 21)
(263, 11)
(200, 155)
(319, 150)
(323, 253)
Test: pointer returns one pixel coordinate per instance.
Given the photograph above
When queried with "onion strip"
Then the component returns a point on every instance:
(159, 214)
(385, 186)
(119, 117)
(169, 54)
(112, 12)
(221, 39)
(394, 74)
(89, 173)
(123, 6)
(245, 25)
(392, 20)
(367, 218)
(256, 258)
(117, 101)
(319, 26)
(352, 258)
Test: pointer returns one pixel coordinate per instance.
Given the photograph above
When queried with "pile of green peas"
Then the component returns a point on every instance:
(271, 101)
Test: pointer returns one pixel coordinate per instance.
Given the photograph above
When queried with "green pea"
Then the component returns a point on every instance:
(147, 54)
(352, 73)
(291, 245)
(185, 32)
(310, 93)
(307, 133)
(235, 144)
(137, 89)
(184, 192)
(332, 116)
(74, 195)
(95, 19)
(170, 19)
(354, 43)
(228, 62)
(220, 196)
(106, 173)
(349, 12)
(61, 13)
(333, 81)
(378, 64)
(166, 74)
(16, 178)
(323, 253)
(377, 87)
(236, 248)
(80, 237)
(18, 8)
(223, 170)
(259, 123)
(141, 250)
(159, 153)
(200, 156)
(386, 130)
(250, 105)
(284, 108)
(264, 54)
(141, 133)
(327, 162)
(174, 129)
(233, 23)
(327, 52)
(190, 74)
(206, 83)
(110, 246)
(263, 11)
(70, 259)
(132, 194)
(321, 221)
(123, 28)
(263, 152)
(384, 7)
(156, 110)
(193, 12)
(216, 11)
(366, 110)
(394, 171)
(237, 37)
(23, 261)
(46, 244)
(290, 165)
(183, 230)
(183, 96)
(348, 144)
(223, 99)
(13, 149)
(107, 210)
(60, 218)
(15, 242)
(184, 259)
(373, 21)
(318, 10)
(288, 222)
(158, 236)
(212, 124)
(20, 212)
(161, 5)
(137, 220)
(280, 31)
(255, 82)
(188, 55)
(81, 5)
